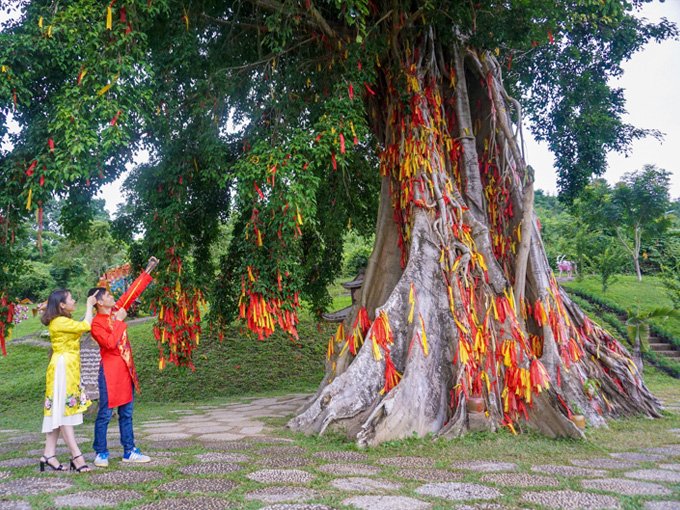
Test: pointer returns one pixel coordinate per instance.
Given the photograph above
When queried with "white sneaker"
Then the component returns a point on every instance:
(101, 460)
(136, 456)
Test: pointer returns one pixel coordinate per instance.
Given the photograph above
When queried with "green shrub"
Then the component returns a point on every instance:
(36, 282)
(357, 250)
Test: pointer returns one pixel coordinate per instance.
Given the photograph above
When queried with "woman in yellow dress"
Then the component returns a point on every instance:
(65, 398)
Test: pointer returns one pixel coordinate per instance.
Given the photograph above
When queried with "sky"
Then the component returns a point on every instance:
(650, 81)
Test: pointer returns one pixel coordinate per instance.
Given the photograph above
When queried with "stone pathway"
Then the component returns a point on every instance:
(218, 457)
(228, 423)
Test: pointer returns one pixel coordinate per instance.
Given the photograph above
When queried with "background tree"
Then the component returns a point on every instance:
(566, 232)
(75, 263)
(641, 202)
(634, 210)
(557, 227)
(459, 299)
(607, 262)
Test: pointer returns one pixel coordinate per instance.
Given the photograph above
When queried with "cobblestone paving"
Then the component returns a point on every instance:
(33, 486)
(284, 462)
(662, 505)
(19, 462)
(349, 469)
(655, 475)
(195, 503)
(360, 484)
(14, 505)
(454, 491)
(280, 494)
(627, 487)
(294, 506)
(222, 457)
(124, 477)
(282, 450)
(407, 462)
(386, 503)
(93, 499)
(553, 469)
(572, 500)
(637, 456)
(669, 450)
(606, 463)
(481, 465)
(281, 476)
(203, 485)
(485, 506)
(342, 456)
(430, 475)
(210, 468)
(520, 480)
(219, 457)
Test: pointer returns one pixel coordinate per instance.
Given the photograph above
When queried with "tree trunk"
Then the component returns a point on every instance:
(636, 262)
(637, 350)
(636, 255)
(438, 322)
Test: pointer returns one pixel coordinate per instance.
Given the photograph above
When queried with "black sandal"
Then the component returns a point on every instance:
(45, 461)
(80, 469)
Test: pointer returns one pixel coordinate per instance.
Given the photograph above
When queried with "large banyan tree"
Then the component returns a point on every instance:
(294, 120)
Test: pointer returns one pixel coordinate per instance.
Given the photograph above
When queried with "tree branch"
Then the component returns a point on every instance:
(318, 20)
(624, 243)
(322, 22)
(269, 57)
(219, 21)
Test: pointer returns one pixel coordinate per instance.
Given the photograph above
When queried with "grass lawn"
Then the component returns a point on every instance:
(240, 365)
(341, 296)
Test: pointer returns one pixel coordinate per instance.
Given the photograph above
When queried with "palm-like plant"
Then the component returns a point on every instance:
(638, 325)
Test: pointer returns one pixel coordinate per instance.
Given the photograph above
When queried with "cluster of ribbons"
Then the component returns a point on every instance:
(177, 329)
(262, 315)
(6, 321)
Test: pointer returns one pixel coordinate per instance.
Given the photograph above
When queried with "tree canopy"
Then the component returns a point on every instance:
(262, 110)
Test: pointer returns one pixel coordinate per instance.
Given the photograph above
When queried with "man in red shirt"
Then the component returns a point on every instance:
(117, 374)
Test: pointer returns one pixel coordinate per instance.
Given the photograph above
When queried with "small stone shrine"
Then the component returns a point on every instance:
(354, 287)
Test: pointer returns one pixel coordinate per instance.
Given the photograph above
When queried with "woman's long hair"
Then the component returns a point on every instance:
(53, 309)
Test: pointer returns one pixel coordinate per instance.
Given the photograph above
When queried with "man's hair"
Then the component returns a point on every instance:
(97, 292)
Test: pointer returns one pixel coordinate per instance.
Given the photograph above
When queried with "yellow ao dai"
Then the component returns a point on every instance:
(65, 398)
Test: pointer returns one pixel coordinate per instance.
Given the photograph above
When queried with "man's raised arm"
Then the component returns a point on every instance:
(138, 286)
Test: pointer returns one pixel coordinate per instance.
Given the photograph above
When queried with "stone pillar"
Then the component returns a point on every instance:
(89, 366)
